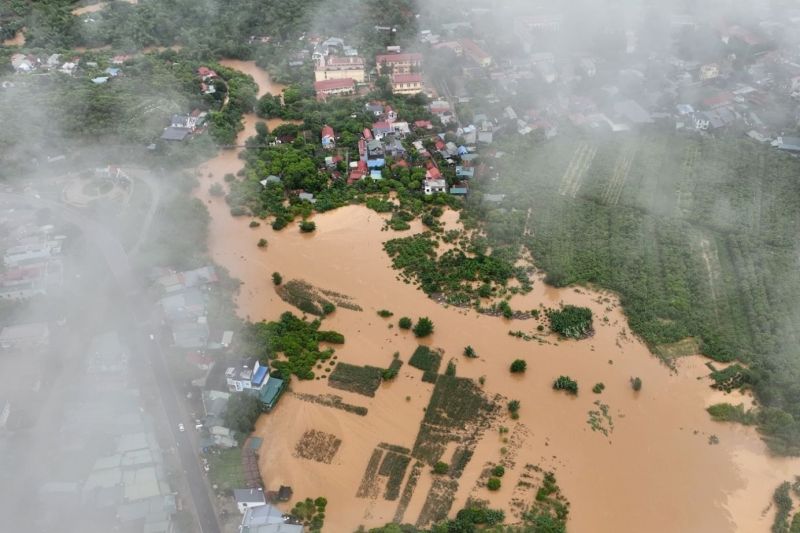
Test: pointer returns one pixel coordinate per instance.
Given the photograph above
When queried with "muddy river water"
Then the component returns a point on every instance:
(656, 469)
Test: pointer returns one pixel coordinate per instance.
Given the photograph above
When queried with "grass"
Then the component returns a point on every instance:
(394, 466)
(427, 360)
(681, 348)
(331, 400)
(363, 380)
(225, 469)
(725, 412)
(303, 296)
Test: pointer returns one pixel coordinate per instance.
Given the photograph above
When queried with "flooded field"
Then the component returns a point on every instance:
(651, 460)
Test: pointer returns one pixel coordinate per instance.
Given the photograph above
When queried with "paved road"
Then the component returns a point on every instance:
(137, 311)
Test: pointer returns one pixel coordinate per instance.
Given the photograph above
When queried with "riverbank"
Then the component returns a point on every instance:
(656, 467)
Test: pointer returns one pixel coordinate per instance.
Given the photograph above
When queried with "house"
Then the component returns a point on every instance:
(244, 377)
(32, 252)
(475, 53)
(269, 179)
(374, 107)
(307, 197)
(328, 140)
(709, 71)
(381, 129)
(175, 133)
(407, 83)
(393, 147)
(459, 189)
(189, 304)
(31, 335)
(23, 63)
(465, 173)
(423, 124)
(335, 67)
(360, 170)
(334, 87)
(178, 281)
(248, 498)
(399, 63)
(191, 334)
(790, 144)
(632, 112)
(375, 154)
(455, 46)
(433, 186)
(267, 519)
(206, 73)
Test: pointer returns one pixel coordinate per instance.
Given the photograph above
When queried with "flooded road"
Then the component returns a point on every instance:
(655, 470)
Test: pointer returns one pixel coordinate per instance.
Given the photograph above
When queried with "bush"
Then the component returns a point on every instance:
(498, 471)
(493, 483)
(385, 313)
(229, 177)
(307, 226)
(571, 321)
(423, 327)
(328, 308)
(451, 369)
(636, 384)
(441, 468)
(506, 310)
(254, 223)
(565, 383)
(469, 351)
(279, 223)
(277, 279)
(262, 243)
(321, 502)
(238, 211)
(405, 323)
(513, 406)
(598, 388)
(518, 366)
(216, 190)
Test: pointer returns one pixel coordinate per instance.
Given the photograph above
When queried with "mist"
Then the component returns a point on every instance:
(640, 147)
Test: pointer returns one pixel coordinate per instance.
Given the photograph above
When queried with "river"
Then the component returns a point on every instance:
(656, 471)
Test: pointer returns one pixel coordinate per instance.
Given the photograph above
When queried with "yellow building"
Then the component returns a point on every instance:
(407, 84)
(338, 68)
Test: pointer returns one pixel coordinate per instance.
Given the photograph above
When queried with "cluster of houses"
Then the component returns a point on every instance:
(259, 516)
(339, 70)
(29, 63)
(32, 260)
(641, 88)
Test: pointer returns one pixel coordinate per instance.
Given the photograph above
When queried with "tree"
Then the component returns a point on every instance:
(469, 351)
(242, 412)
(405, 323)
(277, 279)
(513, 406)
(518, 366)
(493, 483)
(566, 383)
(636, 384)
(216, 190)
(441, 468)
(307, 226)
(262, 243)
(498, 471)
(423, 327)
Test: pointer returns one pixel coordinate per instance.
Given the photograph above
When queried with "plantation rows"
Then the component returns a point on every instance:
(699, 237)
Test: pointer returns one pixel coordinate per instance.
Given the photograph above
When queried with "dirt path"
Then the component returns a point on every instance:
(580, 163)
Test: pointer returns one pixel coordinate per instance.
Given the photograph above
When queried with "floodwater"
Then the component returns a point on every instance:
(656, 470)
(261, 76)
(91, 8)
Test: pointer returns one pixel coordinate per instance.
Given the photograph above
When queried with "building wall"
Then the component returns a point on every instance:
(328, 73)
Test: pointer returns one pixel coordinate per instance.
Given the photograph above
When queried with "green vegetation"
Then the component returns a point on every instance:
(518, 366)
(305, 297)
(636, 384)
(493, 483)
(423, 327)
(441, 468)
(428, 361)
(405, 323)
(242, 412)
(311, 513)
(598, 388)
(277, 279)
(298, 341)
(307, 226)
(450, 370)
(254, 223)
(363, 380)
(385, 313)
(725, 412)
(513, 408)
(565, 383)
(699, 240)
(394, 467)
(469, 352)
(455, 273)
(216, 190)
(225, 469)
(498, 471)
(333, 401)
(262, 243)
(783, 506)
(571, 322)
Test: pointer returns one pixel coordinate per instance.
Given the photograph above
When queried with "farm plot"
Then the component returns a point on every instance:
(317, 446)
(428, 360)
(573, 176)
(363, 380)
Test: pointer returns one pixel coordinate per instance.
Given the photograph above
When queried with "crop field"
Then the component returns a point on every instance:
(363, 380)
(317, 446)
(427, 360)
(698, 235)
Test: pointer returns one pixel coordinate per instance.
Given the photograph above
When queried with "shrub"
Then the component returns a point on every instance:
(498, 471)
(216, 190)
(571, 321)
(565, 383)
(385, 313)
(279, 223)
(518, 366)
(328, 308)
(598, 388)
(277, 279)
(238, 211)
(405, 323)
(229, 177)
(506, 310)
(513, 406)
(262, 243)
(493, 483)
(423, 327)
(321, 502)
(307, 226)
(469, 351)
(451, 369)
(254, 223)
(441, 468)
(636, 384)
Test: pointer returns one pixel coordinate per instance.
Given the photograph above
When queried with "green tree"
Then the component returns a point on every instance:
(277, 279)
(405, 323)
(242, 412)
(636, 384)
(441, 468)
(493, 484)
(518, 366)
(423, 327)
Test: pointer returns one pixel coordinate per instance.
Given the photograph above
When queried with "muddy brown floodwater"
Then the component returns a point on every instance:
(654, 471)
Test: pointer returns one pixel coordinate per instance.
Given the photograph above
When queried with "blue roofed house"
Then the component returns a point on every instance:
(375, 154)
(255, 380)
(328, 137)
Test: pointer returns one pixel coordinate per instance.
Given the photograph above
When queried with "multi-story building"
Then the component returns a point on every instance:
(334, 87)
(339, 68)
(399, 63)
(407, 84)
